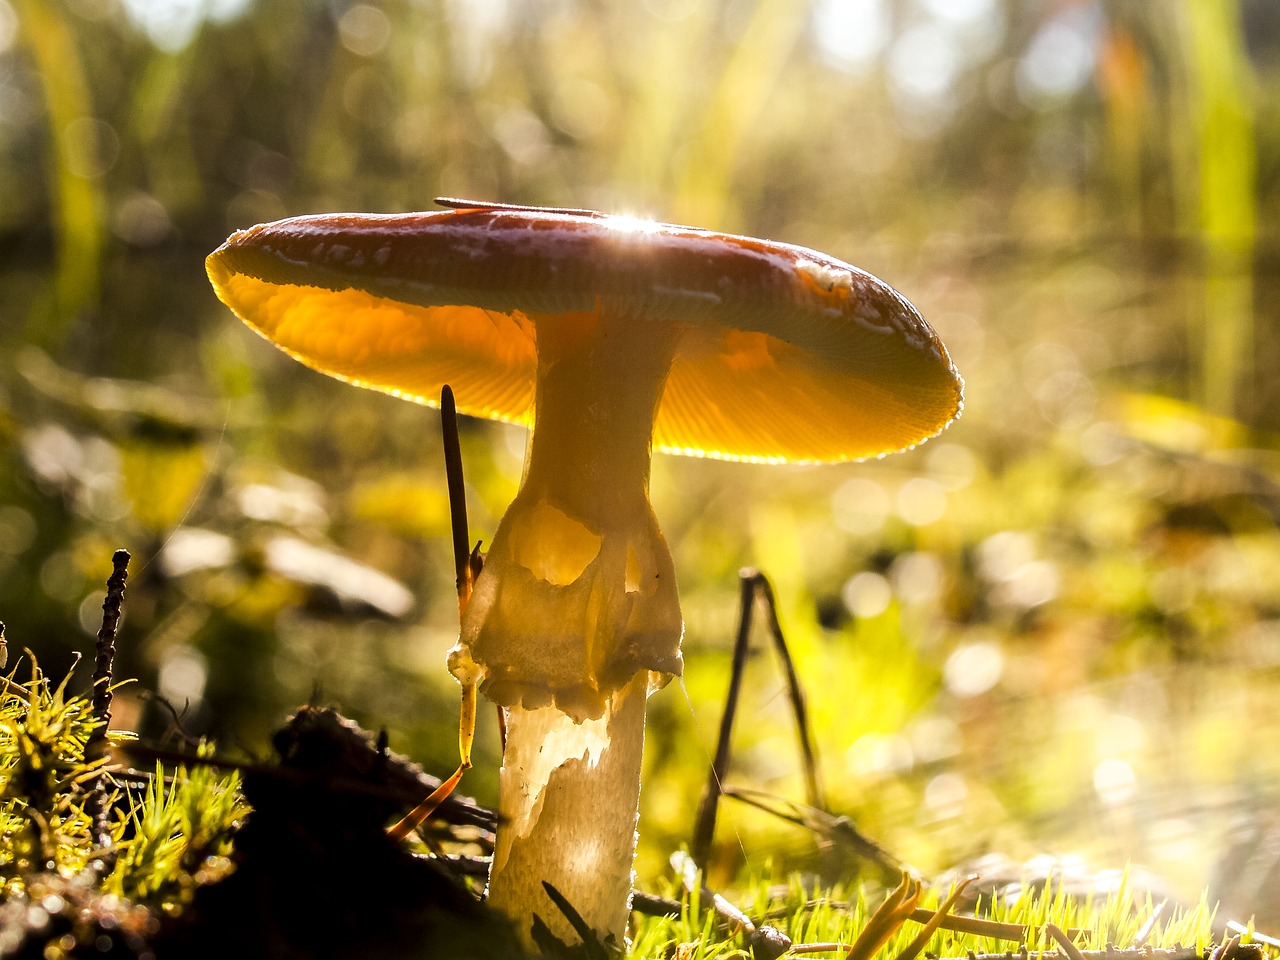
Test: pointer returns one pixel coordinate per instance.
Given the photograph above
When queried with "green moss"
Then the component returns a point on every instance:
(157, 839)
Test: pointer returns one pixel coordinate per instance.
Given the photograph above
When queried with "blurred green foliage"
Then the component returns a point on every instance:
(1057, 627)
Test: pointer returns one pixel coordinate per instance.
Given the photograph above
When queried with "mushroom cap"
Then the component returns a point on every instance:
(785, 354)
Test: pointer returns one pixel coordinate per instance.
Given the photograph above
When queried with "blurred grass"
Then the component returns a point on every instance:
(72, 173)
(1222, 122)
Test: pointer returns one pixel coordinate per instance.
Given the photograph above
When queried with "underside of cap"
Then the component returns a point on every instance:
(784, 354)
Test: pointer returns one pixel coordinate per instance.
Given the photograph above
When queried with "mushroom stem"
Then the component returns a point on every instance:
(578, 591)
(573, 617)
(570, 795)
(595, 403)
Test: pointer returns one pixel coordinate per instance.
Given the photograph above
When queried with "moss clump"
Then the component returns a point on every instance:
(97, 861)
(92, 860)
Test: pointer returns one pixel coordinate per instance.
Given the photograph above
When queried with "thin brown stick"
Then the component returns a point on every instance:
(704, 822)
(95, 748)
(839, 831)
(467, 561)
(104, 662)
(991, 929)
(419, 814)
(808, 753)
(979, 926)
(1063, 941)
(826, 946)
(466, 564)
(752, 585)
(457, 497)
(1225, 951)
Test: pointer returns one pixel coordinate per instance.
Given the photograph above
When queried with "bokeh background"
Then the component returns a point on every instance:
(1055, 630)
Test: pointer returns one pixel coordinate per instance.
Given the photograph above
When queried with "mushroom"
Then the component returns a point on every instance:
(611, 336)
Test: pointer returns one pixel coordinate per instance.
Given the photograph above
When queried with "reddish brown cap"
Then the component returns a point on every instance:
(785, 354)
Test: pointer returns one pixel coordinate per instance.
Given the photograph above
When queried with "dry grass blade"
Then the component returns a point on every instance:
(884, 923)
(1235, 926)
(1063, 941)
(1144, 933)
(419, 814)
(913, 949)
(804, 949)
(984, 927)
(591, 946)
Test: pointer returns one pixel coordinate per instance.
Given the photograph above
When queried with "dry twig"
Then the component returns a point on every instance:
(754, 585)
(95, 749)
(466, 564)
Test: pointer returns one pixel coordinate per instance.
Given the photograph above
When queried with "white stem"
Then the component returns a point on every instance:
(578, 591)
(569, 800)
(574, 614)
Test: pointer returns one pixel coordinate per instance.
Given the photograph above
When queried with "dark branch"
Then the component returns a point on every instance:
(95, 749)
(704, 824)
